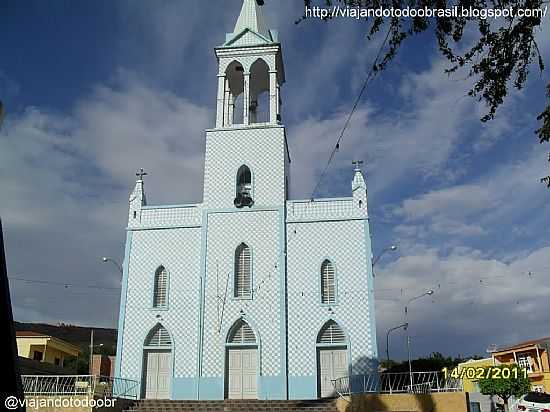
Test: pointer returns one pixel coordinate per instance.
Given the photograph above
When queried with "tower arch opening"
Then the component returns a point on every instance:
(259, 110)
(234, 94)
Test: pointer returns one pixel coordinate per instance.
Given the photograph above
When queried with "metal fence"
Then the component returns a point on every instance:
(422, 382)
(72, 385)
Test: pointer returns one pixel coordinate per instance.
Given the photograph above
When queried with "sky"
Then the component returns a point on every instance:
(95, 90)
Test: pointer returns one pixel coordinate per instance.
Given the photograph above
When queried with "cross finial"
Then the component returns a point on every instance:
(140, 173)
(357, 164)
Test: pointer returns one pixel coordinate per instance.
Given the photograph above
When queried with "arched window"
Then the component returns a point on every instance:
(243, 195)
(331, 333)
(328, 283)
(158, 336)
(160, 292)
(241, 333)
(243, 272)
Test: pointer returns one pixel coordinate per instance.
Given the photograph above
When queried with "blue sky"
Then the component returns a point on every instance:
(94, 90)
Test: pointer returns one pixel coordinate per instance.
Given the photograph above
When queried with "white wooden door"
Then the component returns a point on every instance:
(242, 374)
(157, 375)
(333, 364)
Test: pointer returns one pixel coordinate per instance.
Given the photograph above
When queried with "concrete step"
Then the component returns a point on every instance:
(157, 405)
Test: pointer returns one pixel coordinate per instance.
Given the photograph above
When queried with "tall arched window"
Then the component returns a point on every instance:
(243, 272)
(328, 283)
(160, 292)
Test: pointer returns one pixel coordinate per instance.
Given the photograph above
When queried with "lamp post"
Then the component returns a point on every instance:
(92, 346)
(427, 293)
(404, 325)
(391, 248)
(114, 262)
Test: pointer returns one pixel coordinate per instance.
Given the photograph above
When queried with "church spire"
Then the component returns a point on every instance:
(359, 186)
(137, 199)
(251, 18)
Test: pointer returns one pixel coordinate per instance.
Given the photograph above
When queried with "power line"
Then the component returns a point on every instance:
(370, 75)
(66, 285)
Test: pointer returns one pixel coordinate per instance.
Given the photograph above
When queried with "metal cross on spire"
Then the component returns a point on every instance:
(357, 164)
(140, 173)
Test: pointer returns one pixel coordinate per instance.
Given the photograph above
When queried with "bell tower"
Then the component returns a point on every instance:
(250, 72)
(246, 162)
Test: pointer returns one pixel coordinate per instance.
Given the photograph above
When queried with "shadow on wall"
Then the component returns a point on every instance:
(402, 402)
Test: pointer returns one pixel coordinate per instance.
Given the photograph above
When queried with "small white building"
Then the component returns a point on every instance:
(248, 294)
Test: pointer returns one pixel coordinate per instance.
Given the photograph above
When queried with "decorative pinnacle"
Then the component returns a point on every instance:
(140, 173)
(357, 164)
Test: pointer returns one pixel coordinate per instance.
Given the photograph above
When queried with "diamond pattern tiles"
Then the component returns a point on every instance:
(309, 244)
(262, 149)
(260, 231)
(178, 250)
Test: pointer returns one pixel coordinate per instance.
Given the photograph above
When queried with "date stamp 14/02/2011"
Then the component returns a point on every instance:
(473, 373)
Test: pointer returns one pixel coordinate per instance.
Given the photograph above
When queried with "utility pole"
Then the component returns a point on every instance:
(91, 351)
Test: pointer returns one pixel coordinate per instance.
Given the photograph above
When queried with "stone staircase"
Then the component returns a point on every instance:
(154, 405)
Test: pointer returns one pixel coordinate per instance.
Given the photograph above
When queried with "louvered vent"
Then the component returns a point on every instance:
(243, 275)
(332, 334)
(242, 334)
(161, 288)
(159, 337)
(328, 283)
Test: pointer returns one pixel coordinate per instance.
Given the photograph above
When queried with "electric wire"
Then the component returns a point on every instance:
(369, 77)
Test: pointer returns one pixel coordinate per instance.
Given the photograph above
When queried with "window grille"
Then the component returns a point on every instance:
(243, 272)
(524, 361)
(331, 333)
(161, 288)
(158, 337)
(328, 283)
(242, 333)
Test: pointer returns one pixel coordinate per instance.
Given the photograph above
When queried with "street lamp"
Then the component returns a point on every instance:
(427, 293)
(391, 248)
(404, 325)
(114, 262)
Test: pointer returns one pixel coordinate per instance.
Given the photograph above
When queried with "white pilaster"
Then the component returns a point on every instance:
(226, 103)
(246, 118)
(231, 115)
(221, 94)
(278, 99)
(273, 97)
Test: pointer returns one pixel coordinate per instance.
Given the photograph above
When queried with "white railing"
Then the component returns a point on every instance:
(422, 382)
(72, 385)
(169, 216)
(323, 209)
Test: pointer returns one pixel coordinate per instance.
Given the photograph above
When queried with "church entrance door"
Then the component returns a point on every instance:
(242, 373)
(332, 364)
(157, 374)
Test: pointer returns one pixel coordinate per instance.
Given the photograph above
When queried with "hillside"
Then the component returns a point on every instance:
(77, 335)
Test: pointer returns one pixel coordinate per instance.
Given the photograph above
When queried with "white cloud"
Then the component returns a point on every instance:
(477, 300)
(65, 182)
(497, 198)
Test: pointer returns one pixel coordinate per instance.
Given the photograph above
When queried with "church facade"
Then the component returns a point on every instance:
(248, 295)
